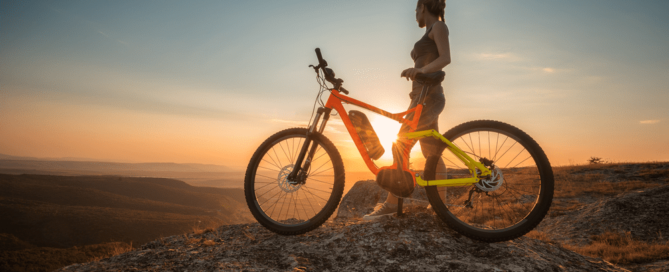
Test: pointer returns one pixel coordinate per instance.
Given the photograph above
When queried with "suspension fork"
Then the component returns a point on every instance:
(299, 173)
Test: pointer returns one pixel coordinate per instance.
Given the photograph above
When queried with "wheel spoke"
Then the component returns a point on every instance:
(272, 163)
(277, 157)
(472, 142)
(500, 148)
(284, 152)
(480, 150)
(514, 158)
(281, 202)
(309, 191)
(522, 161)
(507, 206)
(324, 170)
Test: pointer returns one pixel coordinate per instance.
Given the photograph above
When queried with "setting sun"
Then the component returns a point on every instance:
(387, 130)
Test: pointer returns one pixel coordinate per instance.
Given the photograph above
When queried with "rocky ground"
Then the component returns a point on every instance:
(414, 242)
(418, 241)
(642, 213)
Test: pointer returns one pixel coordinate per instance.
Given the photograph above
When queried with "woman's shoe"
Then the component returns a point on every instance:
(381, 210)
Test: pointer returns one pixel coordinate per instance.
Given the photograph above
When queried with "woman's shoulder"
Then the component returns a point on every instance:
(439, 28)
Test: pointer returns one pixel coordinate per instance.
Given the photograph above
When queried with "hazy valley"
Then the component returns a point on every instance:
(609, 211)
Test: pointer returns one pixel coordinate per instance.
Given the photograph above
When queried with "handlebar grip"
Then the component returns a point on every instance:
(343, 90)
(321, 61)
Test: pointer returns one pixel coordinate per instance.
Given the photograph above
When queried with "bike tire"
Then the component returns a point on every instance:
(520, 207)
(322, 188)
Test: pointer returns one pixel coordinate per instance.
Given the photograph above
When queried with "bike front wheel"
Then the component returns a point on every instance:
(504, 206)
(285, 207)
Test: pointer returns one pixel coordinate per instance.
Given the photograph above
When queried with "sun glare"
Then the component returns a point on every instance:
(387, 130)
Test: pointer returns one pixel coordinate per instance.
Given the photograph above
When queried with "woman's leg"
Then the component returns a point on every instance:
(429, 119)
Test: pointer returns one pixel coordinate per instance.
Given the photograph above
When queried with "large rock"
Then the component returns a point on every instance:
(644, 214)
(415, 242)
(365, 194)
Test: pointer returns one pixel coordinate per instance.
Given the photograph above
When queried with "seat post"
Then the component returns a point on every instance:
(399, 206)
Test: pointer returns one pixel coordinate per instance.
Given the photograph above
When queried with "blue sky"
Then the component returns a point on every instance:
(208, 81)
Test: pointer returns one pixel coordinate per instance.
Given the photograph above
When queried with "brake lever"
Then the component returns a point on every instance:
(315, 68)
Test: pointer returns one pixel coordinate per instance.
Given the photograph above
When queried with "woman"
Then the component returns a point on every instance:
(430, 54)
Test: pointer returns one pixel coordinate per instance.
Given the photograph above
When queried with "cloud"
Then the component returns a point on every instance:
(495, 56)
(649, 122)
(104, 34)
(548, 70)
(295, 123)
(328, 128)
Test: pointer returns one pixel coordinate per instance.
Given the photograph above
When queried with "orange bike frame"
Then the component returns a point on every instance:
(335, 102)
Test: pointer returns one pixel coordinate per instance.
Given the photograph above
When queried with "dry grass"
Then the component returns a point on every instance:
(206, 227)
(48, 259)
(208, 243)
(574, 189)
(576, 186)
(568, 183)
(113, 250)
(560, 207)
(622, 249)
(654, 173)
(542, 236)
(192, 241)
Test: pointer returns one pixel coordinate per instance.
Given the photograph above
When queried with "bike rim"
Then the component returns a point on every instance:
(290, 204)
(506, 199)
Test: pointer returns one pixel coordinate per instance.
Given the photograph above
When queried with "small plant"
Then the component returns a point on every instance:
(595, 160)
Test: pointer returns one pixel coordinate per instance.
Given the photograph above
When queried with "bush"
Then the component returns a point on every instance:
(596, 160)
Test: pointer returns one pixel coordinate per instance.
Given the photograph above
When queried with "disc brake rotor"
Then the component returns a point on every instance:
(282, 179)
(493, 182)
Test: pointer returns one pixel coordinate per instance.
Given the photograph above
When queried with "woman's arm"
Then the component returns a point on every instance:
(439, 34)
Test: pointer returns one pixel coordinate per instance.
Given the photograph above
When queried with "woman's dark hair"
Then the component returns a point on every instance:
(435, 7)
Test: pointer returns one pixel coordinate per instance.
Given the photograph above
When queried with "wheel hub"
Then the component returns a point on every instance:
(493, 182)
(286, 185)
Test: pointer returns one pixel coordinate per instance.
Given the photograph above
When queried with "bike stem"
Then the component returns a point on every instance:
(299, 172)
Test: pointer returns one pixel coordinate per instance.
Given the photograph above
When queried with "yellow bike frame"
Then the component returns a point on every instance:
(471, 163)
(335, 102)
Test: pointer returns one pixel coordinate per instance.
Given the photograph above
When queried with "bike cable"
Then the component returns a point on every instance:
(319, 100)
(320, 78)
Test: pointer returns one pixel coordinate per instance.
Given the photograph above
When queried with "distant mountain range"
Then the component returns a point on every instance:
(48, 220)
(97, 167)
(22, 158)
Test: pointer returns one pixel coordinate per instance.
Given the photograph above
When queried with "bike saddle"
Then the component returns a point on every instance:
(431, 78)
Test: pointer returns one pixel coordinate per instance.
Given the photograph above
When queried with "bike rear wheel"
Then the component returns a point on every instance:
(504, 206)
(282, 206)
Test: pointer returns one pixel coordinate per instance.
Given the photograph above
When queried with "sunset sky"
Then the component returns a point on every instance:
(208, 81)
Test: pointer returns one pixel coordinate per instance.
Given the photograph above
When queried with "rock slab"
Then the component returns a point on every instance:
(416, 241)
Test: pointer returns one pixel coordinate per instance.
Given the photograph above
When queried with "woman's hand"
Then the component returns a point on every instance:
(411, 73)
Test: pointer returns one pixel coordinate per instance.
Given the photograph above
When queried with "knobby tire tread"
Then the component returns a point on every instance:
(330, 206)
(535, 216)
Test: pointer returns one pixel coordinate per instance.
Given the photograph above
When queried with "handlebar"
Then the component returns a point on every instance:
(329, 74)
(321, 61)
(426, 79)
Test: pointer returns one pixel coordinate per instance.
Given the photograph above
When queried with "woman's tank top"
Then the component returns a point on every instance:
(424, 52)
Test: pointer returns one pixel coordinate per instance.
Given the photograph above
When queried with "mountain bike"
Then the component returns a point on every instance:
(498, 184)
